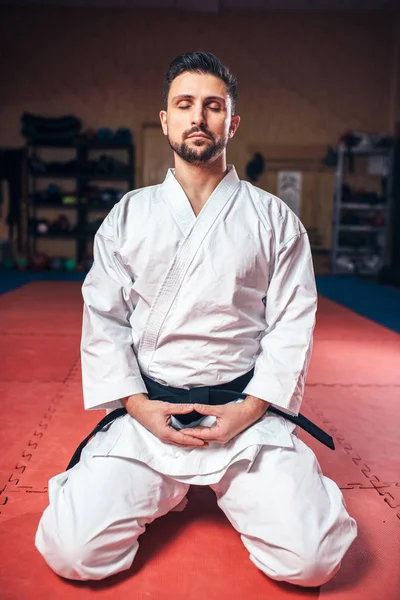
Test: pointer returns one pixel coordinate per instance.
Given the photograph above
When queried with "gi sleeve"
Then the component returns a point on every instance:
(286, 345)
(110, 369)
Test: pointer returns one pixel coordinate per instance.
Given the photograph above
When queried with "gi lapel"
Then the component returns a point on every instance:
(178, 203)
(195, 231)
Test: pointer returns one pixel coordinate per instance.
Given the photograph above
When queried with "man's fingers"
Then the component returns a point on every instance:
(205, 445)
(200, 429)
(209, 434)
(181, 439)
(178, 409)
(203, 409)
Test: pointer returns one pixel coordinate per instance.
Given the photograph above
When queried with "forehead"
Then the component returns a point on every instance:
(198, 85)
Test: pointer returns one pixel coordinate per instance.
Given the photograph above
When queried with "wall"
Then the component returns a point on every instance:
(394, 110)
(304, 78)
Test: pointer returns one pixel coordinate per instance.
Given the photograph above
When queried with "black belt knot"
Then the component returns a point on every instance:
(199, 395)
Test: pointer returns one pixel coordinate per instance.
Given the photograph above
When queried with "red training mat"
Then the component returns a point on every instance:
(352, 391)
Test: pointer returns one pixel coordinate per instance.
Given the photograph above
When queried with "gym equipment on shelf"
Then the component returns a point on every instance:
(70, 264)
(361, 217)
(39, 261)
(57, 263)
(92, 162)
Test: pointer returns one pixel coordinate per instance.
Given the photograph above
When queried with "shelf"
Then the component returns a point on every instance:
(86, 144)
(55, 175)
(367, 228)
(366, 234)
(104, 177)
(355, 206)
(97, 145)
(99, 205)
(94, 176)
(356, 272)
(366, 151)
(70, 235)
(86, 173)
(53, 144)
(106, 207)
(352, 250)
(54, 205)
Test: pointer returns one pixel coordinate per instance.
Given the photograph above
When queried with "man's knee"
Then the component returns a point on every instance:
(312, 571)
(72, 556)
(318, 560)
(306, 567)
(69, 560)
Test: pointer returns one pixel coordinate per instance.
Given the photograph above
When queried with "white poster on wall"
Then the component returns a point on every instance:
(289, 189)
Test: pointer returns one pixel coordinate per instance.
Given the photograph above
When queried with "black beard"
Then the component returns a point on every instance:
(190, 156)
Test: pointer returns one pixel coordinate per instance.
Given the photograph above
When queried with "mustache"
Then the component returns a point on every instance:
(199, 130)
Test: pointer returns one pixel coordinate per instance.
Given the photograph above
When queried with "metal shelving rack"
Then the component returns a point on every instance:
(379, 236)
(81, 177)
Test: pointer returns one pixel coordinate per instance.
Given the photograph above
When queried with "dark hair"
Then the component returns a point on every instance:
(200, 62)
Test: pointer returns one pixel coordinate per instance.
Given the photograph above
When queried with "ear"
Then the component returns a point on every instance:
(163, 119)
(235, 120)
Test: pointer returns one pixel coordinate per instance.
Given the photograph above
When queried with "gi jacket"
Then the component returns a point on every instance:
(193, 301)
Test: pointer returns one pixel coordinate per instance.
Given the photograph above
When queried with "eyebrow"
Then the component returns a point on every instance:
(190, 97)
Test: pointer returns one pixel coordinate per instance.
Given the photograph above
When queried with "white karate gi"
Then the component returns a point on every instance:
(196, 301)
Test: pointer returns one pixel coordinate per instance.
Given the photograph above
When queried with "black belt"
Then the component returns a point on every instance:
(214, 395)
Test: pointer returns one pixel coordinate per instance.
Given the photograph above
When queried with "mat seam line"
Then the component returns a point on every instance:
(27, 453)
(356, 460)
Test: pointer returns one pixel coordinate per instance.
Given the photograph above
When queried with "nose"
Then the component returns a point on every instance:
(198, 116)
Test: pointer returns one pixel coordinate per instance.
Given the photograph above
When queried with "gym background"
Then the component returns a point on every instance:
(307, 79)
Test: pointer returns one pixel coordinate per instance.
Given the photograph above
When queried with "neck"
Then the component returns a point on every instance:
(199, 181)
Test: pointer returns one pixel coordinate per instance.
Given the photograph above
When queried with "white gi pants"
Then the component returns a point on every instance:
(291, 518)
